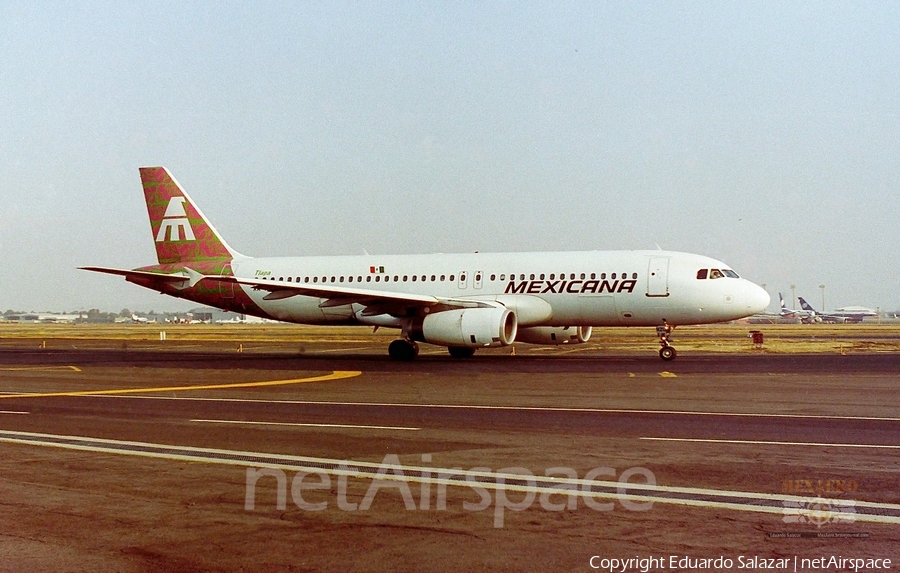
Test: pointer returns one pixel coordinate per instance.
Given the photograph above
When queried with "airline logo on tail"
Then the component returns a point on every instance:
(180, 231)
(174, 222)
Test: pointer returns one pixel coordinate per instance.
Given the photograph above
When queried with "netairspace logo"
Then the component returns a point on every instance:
(513, 488)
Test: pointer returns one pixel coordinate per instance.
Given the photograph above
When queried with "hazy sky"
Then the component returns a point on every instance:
(764, 134)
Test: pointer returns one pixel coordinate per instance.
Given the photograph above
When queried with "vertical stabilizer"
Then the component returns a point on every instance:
(180, 231)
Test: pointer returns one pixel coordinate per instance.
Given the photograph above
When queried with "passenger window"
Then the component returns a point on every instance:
(503, 277)
(582, 276)
(451, 278)
(593, 276)
(634, 275)
(315, 279)
(603, 276)
(377, 278)
(442, 278)
(342, 278)
(414, 278)
(613, 276)
(493, 277)
(369, 279)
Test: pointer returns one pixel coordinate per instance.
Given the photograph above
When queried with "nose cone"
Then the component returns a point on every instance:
(757, 298)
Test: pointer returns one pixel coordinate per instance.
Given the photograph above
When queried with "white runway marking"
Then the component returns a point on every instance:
(772, 443)
(756, 502)
(13, 412)
(520, 408)
(307, 425)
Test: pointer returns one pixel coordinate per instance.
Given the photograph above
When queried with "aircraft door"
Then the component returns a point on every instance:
(658, 277)
(226, 290)
(463, 279)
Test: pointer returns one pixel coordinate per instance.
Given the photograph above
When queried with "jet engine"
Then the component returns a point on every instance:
(554, 334)
(468, 327)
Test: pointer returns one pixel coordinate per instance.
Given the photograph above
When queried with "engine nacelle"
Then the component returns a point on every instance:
(469, 327)
(554, 334)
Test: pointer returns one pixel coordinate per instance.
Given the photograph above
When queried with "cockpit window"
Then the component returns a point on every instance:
(730, 274)
(701, 274)
(715, 274)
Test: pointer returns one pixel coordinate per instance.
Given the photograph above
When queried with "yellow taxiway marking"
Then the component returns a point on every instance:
(38, 368)
(336, 375)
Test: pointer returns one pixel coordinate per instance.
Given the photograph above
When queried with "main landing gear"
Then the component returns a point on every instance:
(406, 350)
(667, 351)
(461, 351)
(402, 349)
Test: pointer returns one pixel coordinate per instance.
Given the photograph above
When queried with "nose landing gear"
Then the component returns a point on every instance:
(667, 351)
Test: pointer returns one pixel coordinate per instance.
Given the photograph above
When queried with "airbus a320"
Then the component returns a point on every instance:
(460, 301)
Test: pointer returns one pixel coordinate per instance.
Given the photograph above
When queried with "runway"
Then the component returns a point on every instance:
(496, 463)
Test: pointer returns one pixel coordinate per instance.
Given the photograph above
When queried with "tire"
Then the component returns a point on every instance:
(461, 351)
(403, 350)
(667, 353)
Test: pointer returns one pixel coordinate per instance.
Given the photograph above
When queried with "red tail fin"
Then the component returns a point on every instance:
(180, 231)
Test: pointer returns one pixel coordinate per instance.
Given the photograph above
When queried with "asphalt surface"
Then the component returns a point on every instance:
(138, 459)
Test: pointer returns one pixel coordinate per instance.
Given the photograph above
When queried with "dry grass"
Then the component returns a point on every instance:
(727, 338)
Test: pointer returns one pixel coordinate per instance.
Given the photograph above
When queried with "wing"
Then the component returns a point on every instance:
(376, 301)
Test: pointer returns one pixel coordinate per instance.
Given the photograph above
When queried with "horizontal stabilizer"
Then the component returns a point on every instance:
(179, 279)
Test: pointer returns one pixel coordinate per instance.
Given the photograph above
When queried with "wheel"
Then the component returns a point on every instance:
(403, 350)
(460, 351)
(667, 353)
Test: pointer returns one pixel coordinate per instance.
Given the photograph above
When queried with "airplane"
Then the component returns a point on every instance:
(139, 319)
(805, 316)
(459, 301)
(841, 315)
(820, 317)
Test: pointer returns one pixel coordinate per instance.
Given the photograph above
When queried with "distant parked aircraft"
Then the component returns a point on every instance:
(821, 316)
(840, 315)
(805, 316)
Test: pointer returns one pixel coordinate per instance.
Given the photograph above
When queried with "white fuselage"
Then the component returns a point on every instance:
(591, 288)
